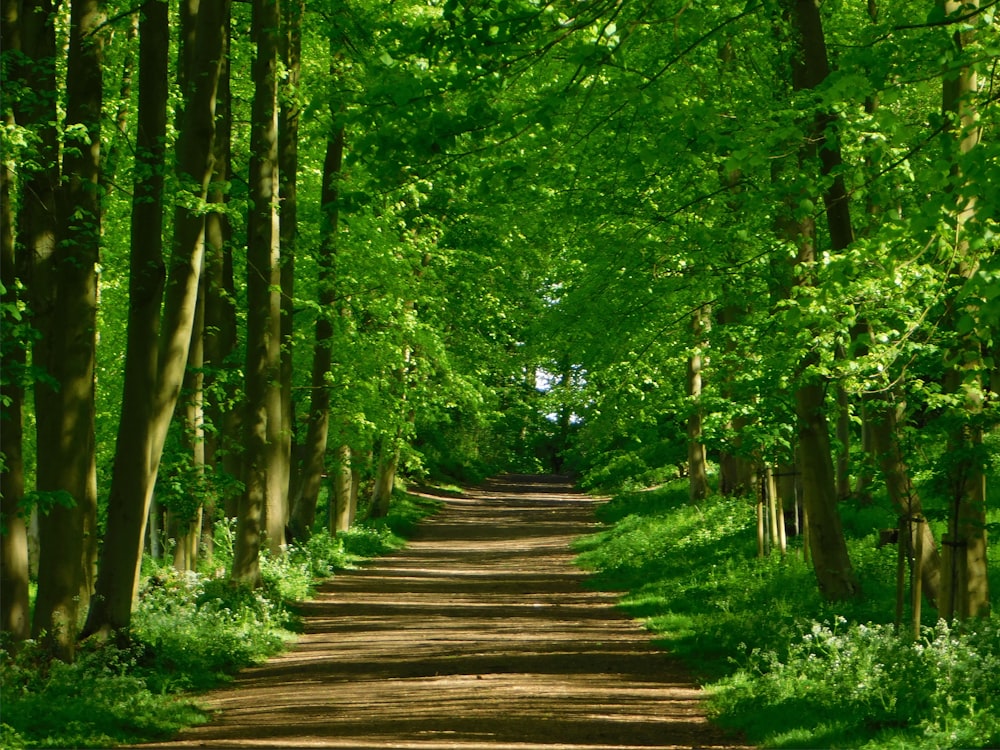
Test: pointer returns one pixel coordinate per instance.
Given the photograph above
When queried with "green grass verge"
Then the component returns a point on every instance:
(190, 632)
(781, 665)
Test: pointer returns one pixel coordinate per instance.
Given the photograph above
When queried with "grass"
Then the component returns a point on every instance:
(190, 632)
(781, 665)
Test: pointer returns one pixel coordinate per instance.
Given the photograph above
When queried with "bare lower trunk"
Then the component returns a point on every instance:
(314, 448)
(62, 579)
(884, 432)
(222, 444)
(827, 546)
(698, 488)
(355, 489)
(385, 477)
(965, 581)
(14, 617)
(146, 414)
(288, 155)
(344, 495)
(263, 413)
(843, 439)
(188, 532)
(828, 549)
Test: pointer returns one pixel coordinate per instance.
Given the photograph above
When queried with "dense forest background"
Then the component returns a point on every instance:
(260, 261)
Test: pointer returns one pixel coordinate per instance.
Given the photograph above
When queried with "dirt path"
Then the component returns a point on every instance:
(477, 636)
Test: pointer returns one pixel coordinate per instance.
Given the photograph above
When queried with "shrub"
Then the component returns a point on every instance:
(196, 630)
(751, 629)
(941, 688)
(43, 708)
(189, 632)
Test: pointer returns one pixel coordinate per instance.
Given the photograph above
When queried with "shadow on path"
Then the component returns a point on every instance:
(479, 635)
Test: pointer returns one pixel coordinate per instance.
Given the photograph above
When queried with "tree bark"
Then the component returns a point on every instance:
(828, 548)
(737, 472)
(14, 618)
(965, 582)
(187, 534)
(38, 222)
(288, 156)
(222, 445)
(62, 575)
(146, 415)
(314, 448)
(698, 488)
(344, 496)
(260, 502)
(14, 573)
(385, 475)
(884, 418)
(843, 466)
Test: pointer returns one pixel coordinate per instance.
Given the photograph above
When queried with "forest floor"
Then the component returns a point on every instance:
(478, 636)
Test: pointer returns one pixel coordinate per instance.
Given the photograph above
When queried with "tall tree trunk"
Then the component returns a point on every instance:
(187, 533)
(146, 277)
(146, 415)
(14, 545)
(698, 488)
(828, 548)
(314, 448)
(38, 221)
(288, 156)
(344, 497)
(385, 475)
(843, 467)
(884, 418)
(387, 461)
(737, 472)
(965, 583)
(262, 494)
(14, 616)
(222, 445)
(62, 577)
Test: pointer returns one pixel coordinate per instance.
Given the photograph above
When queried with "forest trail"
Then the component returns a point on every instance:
(477, 636)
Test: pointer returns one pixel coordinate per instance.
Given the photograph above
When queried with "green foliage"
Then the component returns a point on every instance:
(99, 701)
(196, 630)
(864, 685)
(753, 629)
(190, 631)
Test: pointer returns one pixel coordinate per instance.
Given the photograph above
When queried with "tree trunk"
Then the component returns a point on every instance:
(39, 216)
(355, 490)
(62, 577)
(262, 494)
(698, 488)
(14, 615)
(737, 472)
(344, 495)
(146, 276)
(222, 444)
(843, 437)
(828, 548)
(314, 448)
(883, 427)
(385, 476)
(146, 415)
(188, 528)
(288, 156)
(965, 582)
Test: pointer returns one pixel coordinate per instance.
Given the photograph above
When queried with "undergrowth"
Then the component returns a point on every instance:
(190, 632)
(781, 665)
